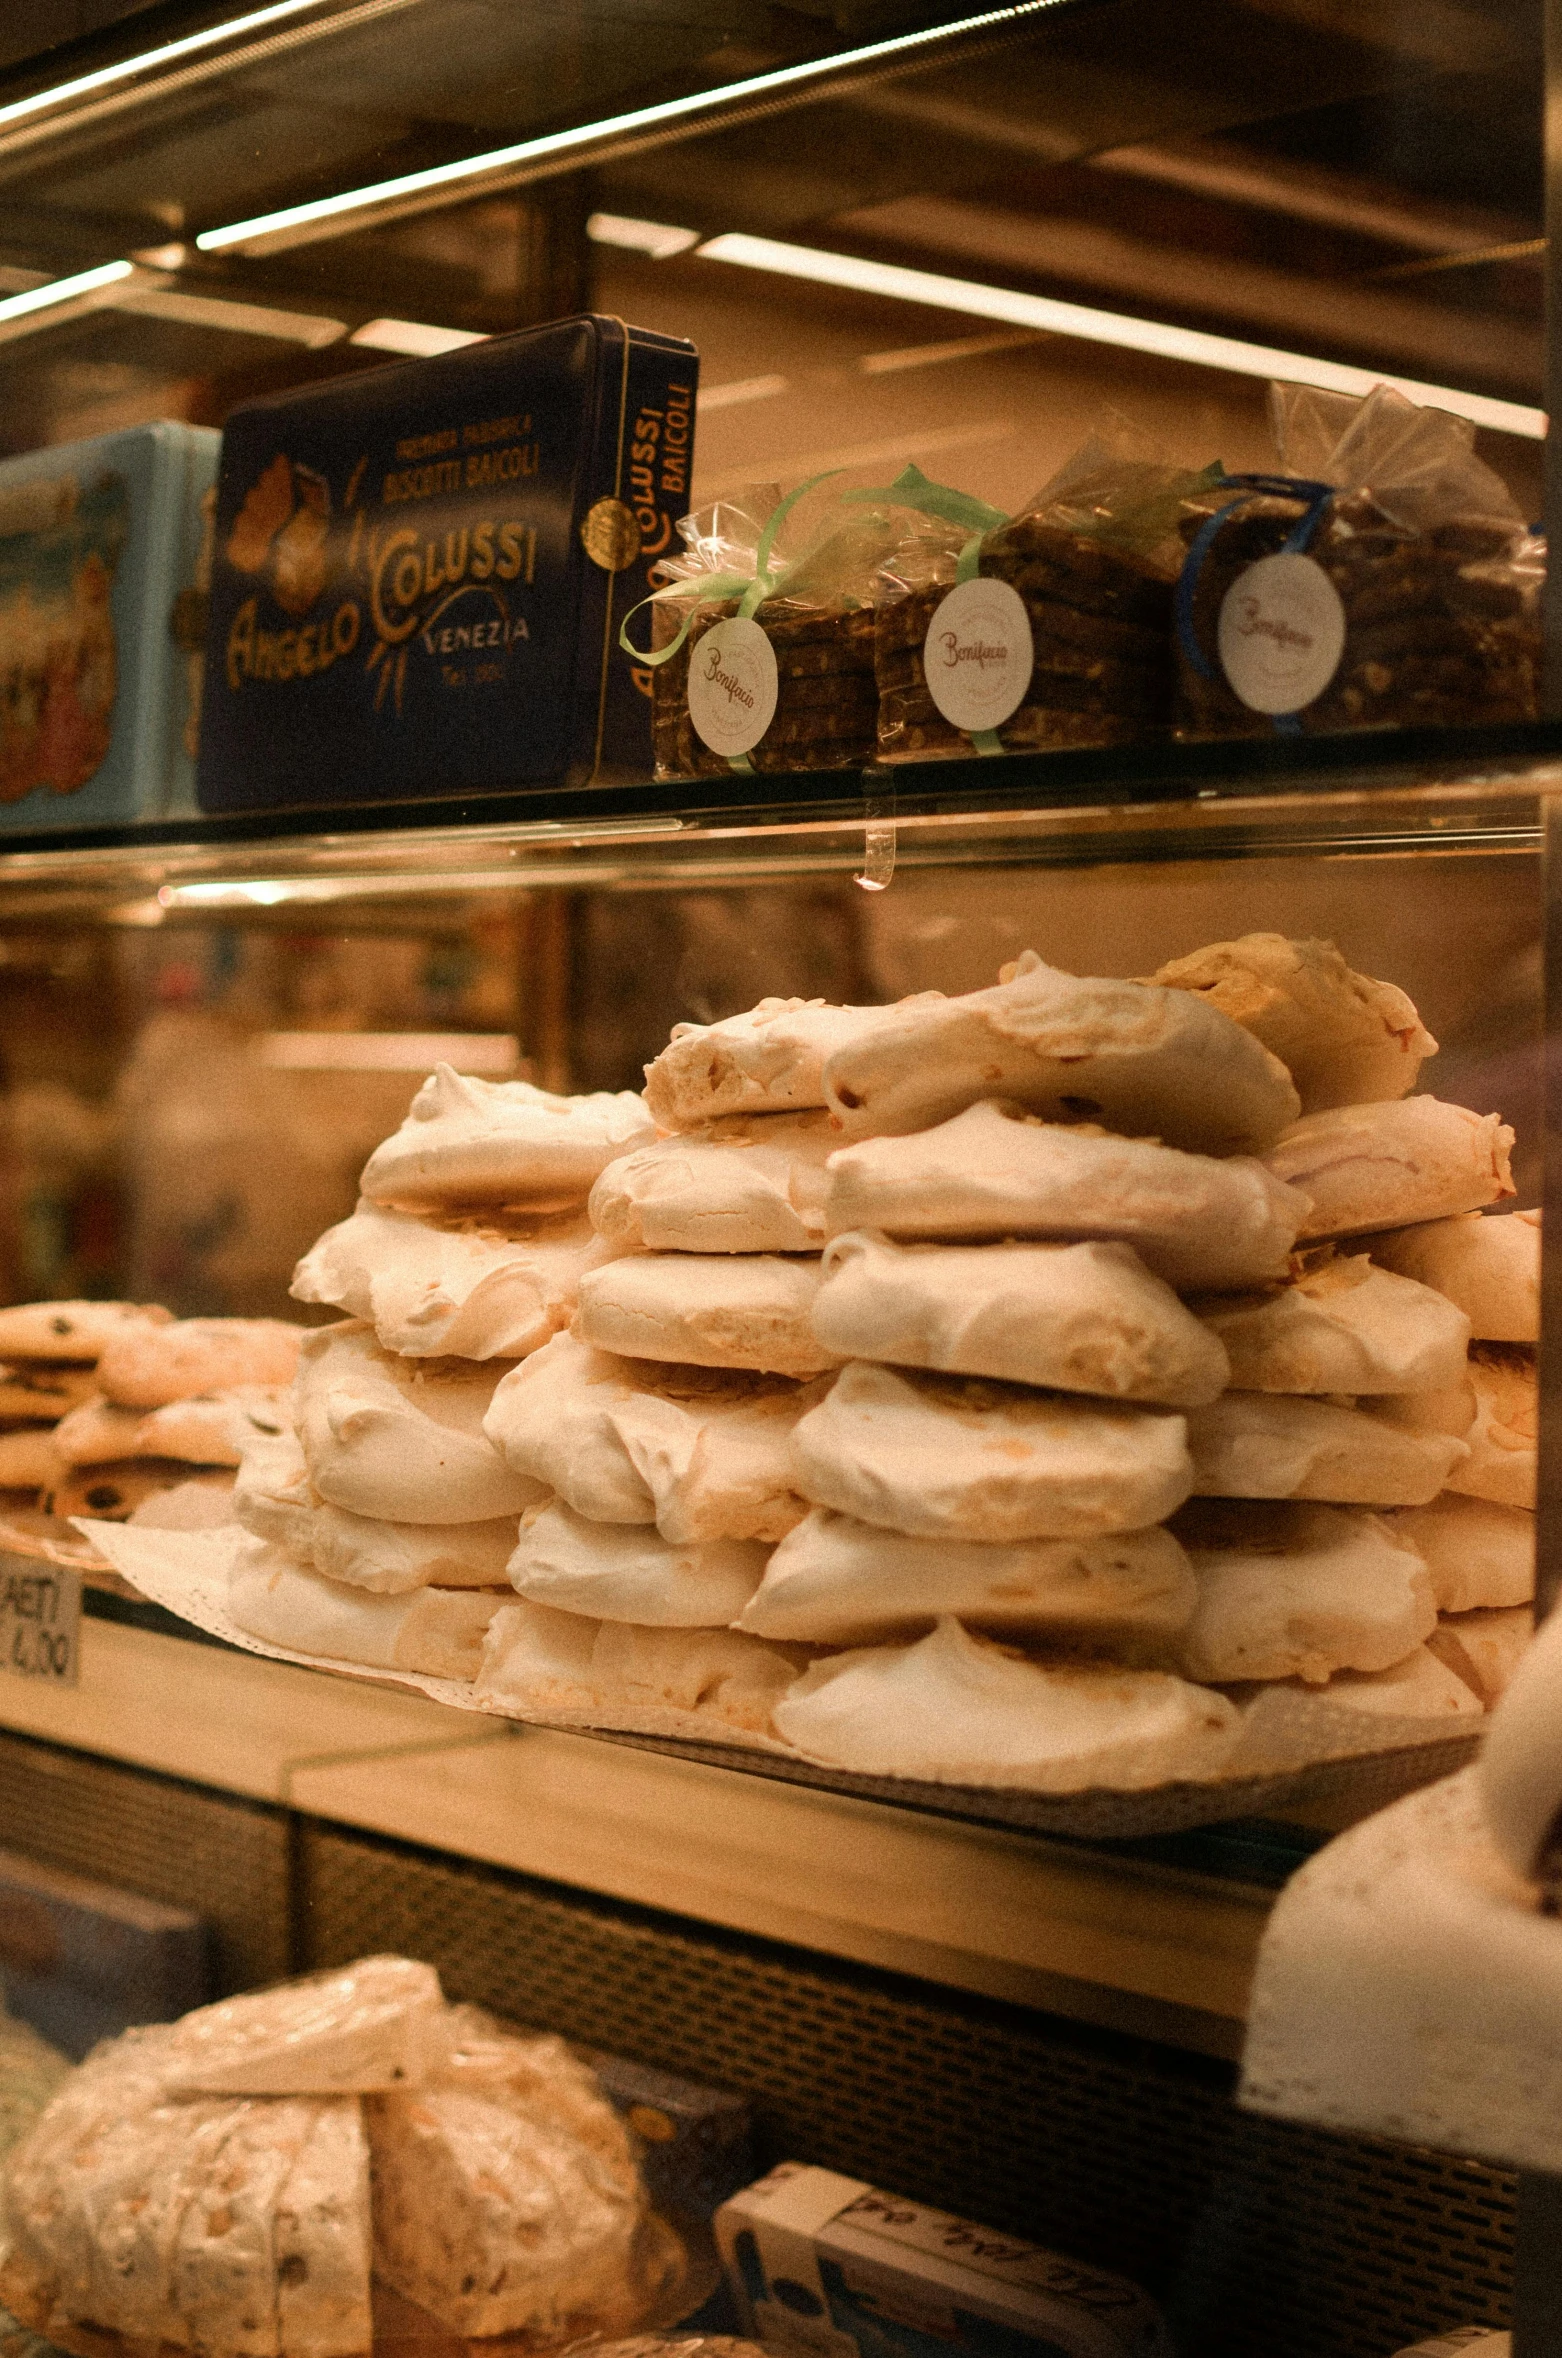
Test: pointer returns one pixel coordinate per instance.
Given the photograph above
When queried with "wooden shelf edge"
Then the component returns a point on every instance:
(1120, 1942)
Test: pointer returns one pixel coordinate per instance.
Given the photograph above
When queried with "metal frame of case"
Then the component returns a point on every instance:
(1458, 791)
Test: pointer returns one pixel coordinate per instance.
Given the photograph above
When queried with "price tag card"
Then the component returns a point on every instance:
(40, 1620)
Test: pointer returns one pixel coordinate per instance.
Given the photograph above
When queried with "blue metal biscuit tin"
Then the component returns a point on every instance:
(99, 545)
(420, 572)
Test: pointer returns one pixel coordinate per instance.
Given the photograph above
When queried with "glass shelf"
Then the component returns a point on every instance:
(1392, 792)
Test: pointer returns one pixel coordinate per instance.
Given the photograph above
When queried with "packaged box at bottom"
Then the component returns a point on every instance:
(823, 2266)
(420, 572)
(99, 544)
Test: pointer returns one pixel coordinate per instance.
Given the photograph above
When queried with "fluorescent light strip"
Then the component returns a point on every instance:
(61, 290)
(659, 239)
(884, 364)
(1080, 320)
(234, 319)
(412, 338)
(645, 118)
(168, 54)
(712, 397)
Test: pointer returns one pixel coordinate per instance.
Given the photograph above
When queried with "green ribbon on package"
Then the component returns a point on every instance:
(912, 489)
(750, 590)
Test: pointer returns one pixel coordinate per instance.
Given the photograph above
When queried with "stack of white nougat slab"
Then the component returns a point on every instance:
(1003, 1389)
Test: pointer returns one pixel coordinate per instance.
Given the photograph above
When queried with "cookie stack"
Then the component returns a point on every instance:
(381, 1527)
(664, 1420)
(120, 1411)
(1441, 626)
(1358, 1383)
(1478, 1535)
(826, 701)
(990, 1475)
(1026, 1501)
(173, 1405)
(1093, 559)
(1005, 1389)
(48, 1354)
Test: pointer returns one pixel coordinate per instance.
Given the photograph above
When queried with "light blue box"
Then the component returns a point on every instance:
(98, 700)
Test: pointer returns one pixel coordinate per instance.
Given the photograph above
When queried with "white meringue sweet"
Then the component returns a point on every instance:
(1479, 1554)
(964, 1711)
(273, 1496)
(1074, 1317)
(275, 1499)
(1488, 1265)
(767, 1060)
(466, 1141)
(399, 1438)
(1276, 1445)
(745, 1184)
(483, 1287)
(950, 1458)
(436, 1631)
(743, 1310)
(388, 1559)
(628, 1572)
(1420, 1687)
(704, 1453)
(1081, 1048)
(1380, 1166)
(1288, 1591)
(567, 1670)
(835, 1581)
(1341, 1326)
(1344, 1038)
(1504, 1438)
(996, 1171)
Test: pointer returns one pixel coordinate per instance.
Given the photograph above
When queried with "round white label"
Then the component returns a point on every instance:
(1282, 633)
(978, 654)
(732, 686)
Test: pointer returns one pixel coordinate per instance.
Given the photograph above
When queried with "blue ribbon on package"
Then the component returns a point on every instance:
(1315, 498)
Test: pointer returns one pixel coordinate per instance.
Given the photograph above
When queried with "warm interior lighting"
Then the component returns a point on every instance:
(168, 53)
(1051, 316)
(390, 1052)
(412, 337)
(234, 319)
(638, 120)
(888, 364)
(656, 238)
(61, 290)
(741, 389)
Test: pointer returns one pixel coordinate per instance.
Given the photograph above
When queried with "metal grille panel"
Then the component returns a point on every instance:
(224, 1859)
(1262, 2238)
(1265, 2241)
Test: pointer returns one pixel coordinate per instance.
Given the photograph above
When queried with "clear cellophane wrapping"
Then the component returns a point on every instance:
(819, 619)
(1438, 575)
(1094, 557)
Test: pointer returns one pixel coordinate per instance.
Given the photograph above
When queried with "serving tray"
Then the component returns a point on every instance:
(1295, 1749)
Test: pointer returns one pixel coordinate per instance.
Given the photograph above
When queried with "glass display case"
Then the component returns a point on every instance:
(960, 1876)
